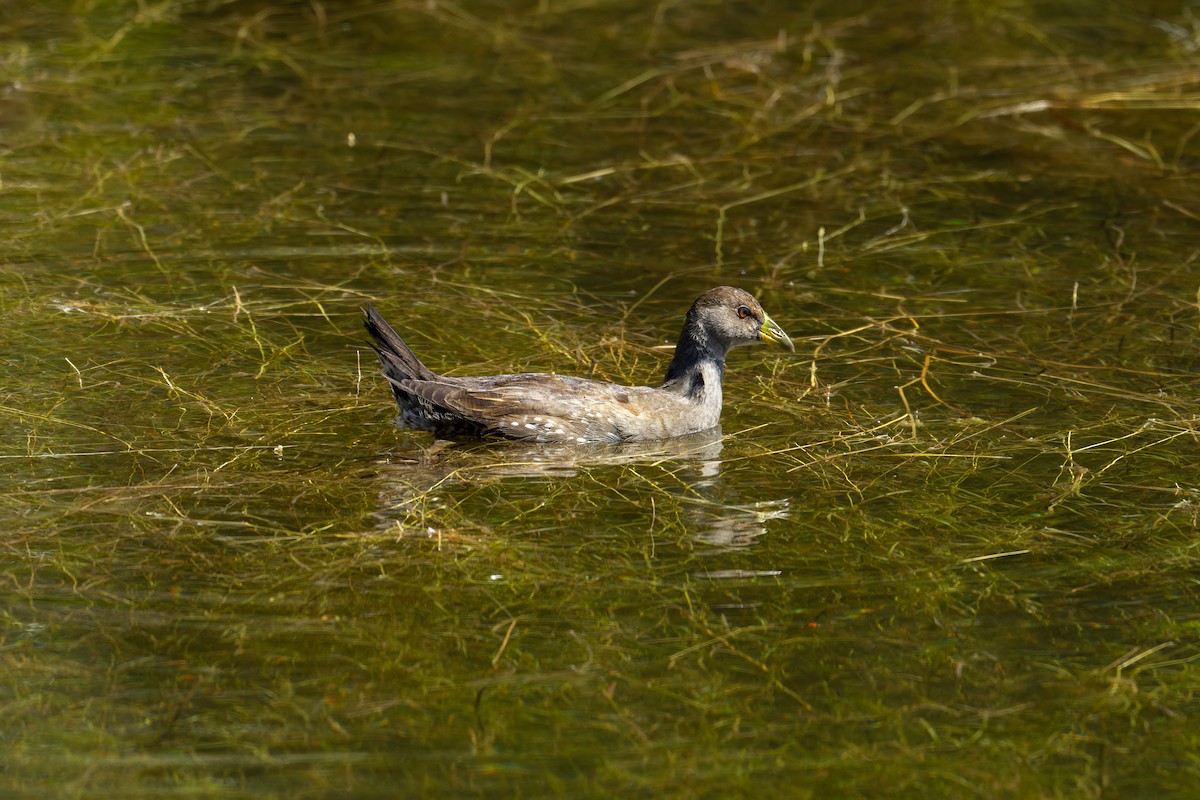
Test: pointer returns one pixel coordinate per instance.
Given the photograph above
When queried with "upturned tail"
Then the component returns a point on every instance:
(399, 362)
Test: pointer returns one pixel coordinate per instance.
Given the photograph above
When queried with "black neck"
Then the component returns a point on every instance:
(694, 349)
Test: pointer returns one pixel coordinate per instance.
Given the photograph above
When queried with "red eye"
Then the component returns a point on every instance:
(743, 312)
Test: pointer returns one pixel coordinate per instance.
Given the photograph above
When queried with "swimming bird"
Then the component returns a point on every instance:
(543, 407)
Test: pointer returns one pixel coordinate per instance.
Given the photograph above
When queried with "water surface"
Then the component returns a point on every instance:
(945, 550)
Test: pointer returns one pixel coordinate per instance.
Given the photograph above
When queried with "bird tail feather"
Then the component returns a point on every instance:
(398, 360)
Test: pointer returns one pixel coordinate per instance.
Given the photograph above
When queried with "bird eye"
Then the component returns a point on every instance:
(743, 312)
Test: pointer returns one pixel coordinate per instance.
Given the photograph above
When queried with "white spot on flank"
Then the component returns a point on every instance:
(528, 425)
(560, 431)
(581, 440)
(516, 424)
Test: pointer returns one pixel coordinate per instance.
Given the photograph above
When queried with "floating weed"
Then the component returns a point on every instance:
(947, 550)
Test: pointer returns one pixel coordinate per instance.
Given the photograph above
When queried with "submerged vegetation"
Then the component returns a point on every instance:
(949, 549)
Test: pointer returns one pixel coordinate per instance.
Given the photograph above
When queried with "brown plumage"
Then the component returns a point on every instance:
(544, 407)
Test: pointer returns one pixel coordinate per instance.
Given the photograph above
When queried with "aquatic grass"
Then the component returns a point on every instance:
(948, 549)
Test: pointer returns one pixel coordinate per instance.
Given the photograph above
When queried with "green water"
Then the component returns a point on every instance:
(948, 549)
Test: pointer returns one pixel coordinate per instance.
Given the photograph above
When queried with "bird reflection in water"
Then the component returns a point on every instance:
(411, 483)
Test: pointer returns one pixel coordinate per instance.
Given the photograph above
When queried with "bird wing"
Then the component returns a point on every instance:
(456, 405)
(538, 407)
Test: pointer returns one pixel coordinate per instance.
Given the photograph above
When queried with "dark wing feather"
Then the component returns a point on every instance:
(449, 397)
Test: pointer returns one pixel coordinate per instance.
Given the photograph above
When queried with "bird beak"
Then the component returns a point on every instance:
(772, 333)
